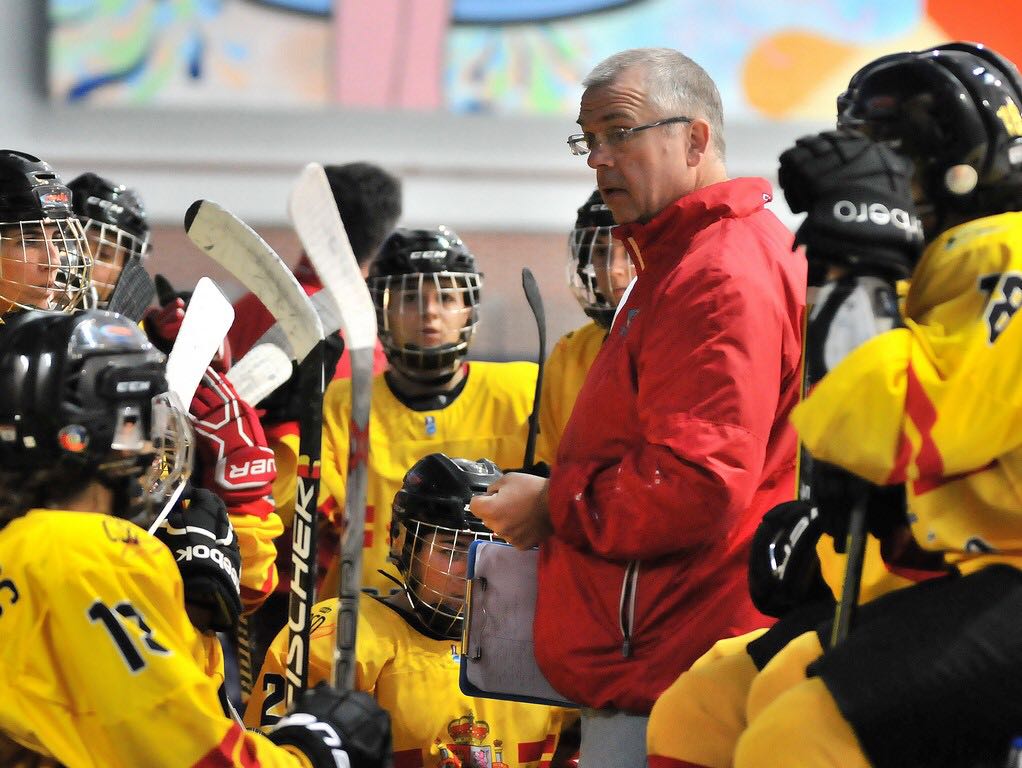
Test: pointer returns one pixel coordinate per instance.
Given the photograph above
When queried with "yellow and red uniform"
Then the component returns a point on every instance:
(488, 419)
(415, 678)
(99, 663)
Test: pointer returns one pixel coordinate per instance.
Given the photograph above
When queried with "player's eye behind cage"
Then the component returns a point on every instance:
(173, 442)
(112, 247)
(436, 573)
(453, 297)
(44, 264)
(591, 257)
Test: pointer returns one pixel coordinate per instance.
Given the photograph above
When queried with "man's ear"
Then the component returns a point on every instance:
(699, 141)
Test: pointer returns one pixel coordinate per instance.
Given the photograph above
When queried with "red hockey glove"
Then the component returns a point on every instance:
(237, 462)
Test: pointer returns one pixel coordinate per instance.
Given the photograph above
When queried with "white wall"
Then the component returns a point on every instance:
(471, 172)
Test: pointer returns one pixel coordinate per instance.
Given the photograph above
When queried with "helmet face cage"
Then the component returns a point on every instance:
(433, 563)
(404, 300)
(173, 441)
(591, 252)
(112, 248)
(44, 264)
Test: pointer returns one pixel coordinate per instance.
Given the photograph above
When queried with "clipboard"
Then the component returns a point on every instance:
(497, 659)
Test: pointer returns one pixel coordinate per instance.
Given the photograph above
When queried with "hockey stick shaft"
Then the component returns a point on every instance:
(318, 224)
(237, 247)
(532, 295)
(855, 546)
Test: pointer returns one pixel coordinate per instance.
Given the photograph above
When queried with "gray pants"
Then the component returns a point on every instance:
(612, 739)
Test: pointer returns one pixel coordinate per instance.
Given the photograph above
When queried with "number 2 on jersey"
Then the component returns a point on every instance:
(115, 620)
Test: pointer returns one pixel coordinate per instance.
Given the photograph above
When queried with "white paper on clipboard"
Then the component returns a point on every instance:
(498, 660)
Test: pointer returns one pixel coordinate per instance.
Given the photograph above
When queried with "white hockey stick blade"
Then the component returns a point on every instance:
(207, 319)
(325, 307)
(318, 224)
(238, 248)
(260, 372)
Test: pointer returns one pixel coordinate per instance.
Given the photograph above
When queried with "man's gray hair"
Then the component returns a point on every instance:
(675, 85)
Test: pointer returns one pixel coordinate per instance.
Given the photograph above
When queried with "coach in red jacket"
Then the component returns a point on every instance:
(678, 442)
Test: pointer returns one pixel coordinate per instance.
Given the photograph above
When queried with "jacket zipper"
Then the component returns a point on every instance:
(626, 608)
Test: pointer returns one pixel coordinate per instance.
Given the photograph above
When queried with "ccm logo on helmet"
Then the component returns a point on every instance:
(431, 256)
(847, 212)
(133, 386)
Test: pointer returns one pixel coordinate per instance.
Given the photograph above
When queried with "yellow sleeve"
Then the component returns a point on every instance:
(258, 556)
(551, 403)
(102, 665)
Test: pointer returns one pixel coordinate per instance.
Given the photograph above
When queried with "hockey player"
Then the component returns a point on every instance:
(599, 271)
(115, 224)
(928, 675)
(426, 289)
(45, 262)
(99, 664)
(795, 572)
(408, 644)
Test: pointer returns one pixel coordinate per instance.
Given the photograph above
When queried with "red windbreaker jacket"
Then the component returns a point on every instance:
(679, 442)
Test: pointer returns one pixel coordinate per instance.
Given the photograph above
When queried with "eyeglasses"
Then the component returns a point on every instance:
(584, 143)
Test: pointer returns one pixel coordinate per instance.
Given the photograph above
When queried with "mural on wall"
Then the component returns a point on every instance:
(784, 60)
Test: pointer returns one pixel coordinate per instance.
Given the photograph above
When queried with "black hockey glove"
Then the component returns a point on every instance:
(284, 404)
(199, 534)
(858, 197)
(784, 569)
(334, 729)
(837, 490)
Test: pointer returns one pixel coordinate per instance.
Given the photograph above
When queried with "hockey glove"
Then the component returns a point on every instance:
(837, 490)
(199, 534)
(236, 459)
(163, 323)
(784, 569)
(857, 193)
(334, 730)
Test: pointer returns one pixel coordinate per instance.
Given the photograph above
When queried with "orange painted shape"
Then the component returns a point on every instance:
(782, 68)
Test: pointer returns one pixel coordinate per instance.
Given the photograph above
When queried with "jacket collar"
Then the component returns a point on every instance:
(679, 222)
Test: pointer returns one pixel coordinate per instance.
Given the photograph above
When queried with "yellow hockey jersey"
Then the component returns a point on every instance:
(99, 665)
(937, 404)
(489, 419)
(563, 374)
(415, 678)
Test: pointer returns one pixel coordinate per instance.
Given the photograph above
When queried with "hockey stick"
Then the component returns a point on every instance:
(261, 371)
(206, 321)
(536, 305)
(318, 224)
(134, 291)
(325, 306)
(236, 246)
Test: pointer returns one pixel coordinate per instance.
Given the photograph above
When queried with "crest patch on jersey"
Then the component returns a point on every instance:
(430, 426)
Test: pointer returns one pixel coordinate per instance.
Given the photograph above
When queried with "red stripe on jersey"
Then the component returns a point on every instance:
(659, 761)
(370, 513)
(408, 758)
(224, 754)
(367, 540)
(929, 462)
(531, 751)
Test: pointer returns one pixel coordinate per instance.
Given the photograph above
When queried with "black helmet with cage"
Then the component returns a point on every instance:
(954, 111)
(431, 531)
(590, 248)
(115, 224)
(84, 397)
(45, 262)
(411, 265)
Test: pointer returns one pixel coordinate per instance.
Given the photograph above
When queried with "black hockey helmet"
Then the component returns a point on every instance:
(431, 531)
(115, 224)
(30, 189)
(590, 247)
(45, 262)
(88, 392)
(954, 111)
(410, 260)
